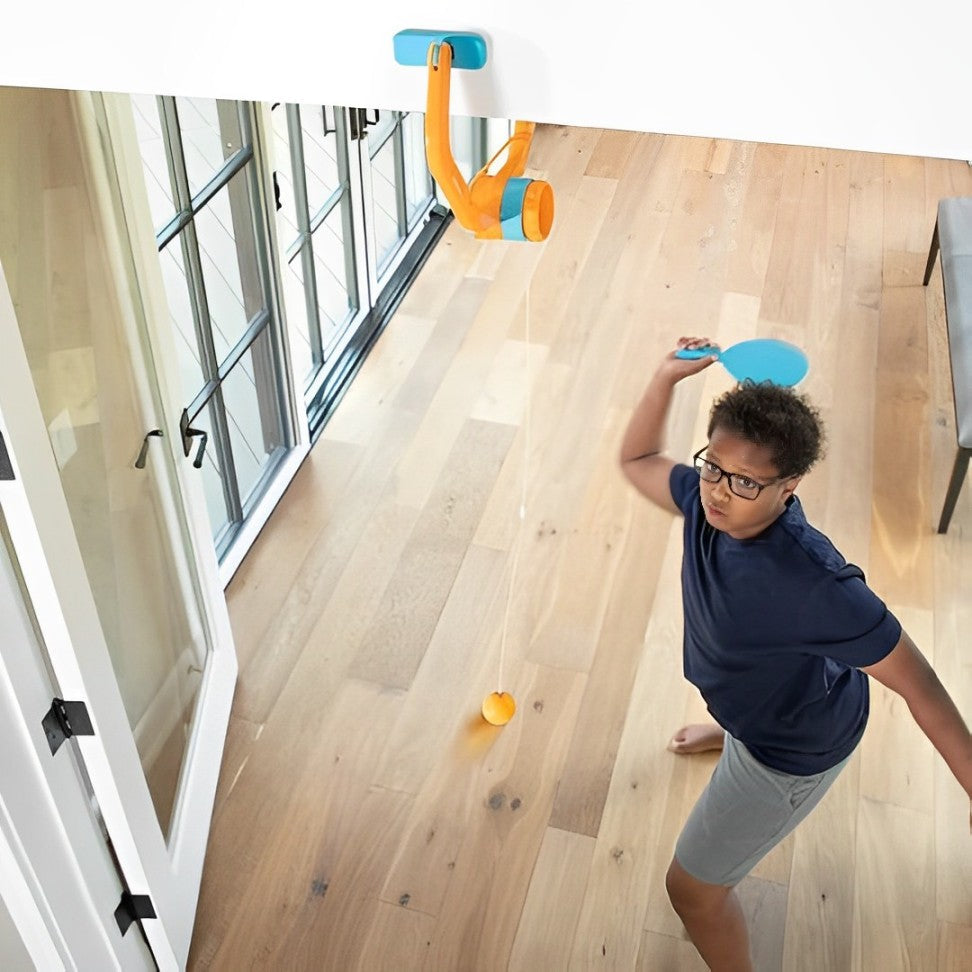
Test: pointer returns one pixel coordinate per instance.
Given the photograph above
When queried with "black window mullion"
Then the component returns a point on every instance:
(175, 156)
(330, 203)
(222, 178)
(401, 204)
(302, 206)
(224, 449)
(200, 305)
(275, 397)
(207, 348)
(347, 215)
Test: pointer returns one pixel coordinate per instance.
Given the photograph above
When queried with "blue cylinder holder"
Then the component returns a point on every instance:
(468, 48)
(511, 209)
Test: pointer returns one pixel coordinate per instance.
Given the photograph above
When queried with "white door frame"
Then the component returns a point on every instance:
(54, 573)
(57, 877)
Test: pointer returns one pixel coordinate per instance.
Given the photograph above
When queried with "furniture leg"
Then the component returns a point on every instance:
(954, 486)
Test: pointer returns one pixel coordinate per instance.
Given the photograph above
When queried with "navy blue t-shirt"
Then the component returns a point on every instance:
(776, 628)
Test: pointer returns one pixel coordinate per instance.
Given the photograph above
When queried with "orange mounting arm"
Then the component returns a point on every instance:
(437, 147)
(479, 205)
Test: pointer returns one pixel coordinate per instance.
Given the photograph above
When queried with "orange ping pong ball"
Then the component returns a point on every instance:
(498, 708)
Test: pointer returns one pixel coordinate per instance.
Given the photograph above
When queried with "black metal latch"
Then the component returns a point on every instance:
(188, 434)
(133, 907)
(64, 720)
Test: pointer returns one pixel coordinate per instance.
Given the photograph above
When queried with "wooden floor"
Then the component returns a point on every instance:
(366, 817)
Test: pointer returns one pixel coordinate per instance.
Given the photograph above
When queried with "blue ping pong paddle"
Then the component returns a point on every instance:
(761, 359)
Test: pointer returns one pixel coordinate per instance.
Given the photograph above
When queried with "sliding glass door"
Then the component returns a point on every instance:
(205, 195)
(352, 193)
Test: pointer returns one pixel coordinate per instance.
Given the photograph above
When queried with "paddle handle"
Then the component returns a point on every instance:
(695, 353)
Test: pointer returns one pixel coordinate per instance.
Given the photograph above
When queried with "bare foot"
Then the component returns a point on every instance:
(697, 739)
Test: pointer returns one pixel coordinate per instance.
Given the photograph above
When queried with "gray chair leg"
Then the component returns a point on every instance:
(932, 253)
(954, 486)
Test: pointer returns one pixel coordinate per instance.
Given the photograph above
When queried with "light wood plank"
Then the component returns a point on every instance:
(752, 236)
(901, 567)
(240, 737)
(764, 905)
(662, 953)
(395, 642)
(506, 390)
(611, 155)
(905, 237)
(452, 680)
(484, 902)
(629, 859)
(543, 937)
(820, 904)
(556, 279)
(688, 778)
(293, 812)
(372, 394)
(349, 926)
(897, 760)
(262, 582)
(954, 947)
(953, 662)
(894, 904)
(398, 937)
(346, 523)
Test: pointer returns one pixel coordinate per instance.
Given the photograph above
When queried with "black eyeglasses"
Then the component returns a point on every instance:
(740, 485)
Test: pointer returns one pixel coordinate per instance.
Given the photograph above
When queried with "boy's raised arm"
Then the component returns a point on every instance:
(641, 448)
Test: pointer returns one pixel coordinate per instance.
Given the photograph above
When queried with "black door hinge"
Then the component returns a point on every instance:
(6, 467)
(64, 720)
(131, 908)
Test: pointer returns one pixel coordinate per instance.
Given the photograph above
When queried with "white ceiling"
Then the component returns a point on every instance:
(892, 76)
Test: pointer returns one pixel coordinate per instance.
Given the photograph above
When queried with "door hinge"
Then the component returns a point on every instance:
(6, 467)
(131, 908)
(64, 720)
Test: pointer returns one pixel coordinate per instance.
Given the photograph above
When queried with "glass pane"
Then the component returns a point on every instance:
(211, 133)
(295, 301)
(129, 531)
(330, 268)
(227, 252)
(384, 186)
(249, 396)
(288, 227)
(418, 181)
(461, 142)
(212, 472)
(320, 157)
(380, 130)
(183, 322)
(151, 143)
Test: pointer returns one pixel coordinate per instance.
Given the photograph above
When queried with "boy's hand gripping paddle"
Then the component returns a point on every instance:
(761, 359)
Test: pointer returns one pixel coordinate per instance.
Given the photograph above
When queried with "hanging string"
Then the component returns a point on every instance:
(518, 542)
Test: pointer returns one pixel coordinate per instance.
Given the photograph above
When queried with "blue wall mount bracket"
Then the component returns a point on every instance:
(468, 49)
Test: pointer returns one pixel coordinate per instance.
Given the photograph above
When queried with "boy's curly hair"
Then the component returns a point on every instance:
(778, 418)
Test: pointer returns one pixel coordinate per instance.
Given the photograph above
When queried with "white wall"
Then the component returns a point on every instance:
(890, 77)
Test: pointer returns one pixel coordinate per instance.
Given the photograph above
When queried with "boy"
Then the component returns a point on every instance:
(779, 631)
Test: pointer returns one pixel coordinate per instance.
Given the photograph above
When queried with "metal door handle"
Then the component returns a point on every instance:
(143, 452)
(188, 434)
(203, 439)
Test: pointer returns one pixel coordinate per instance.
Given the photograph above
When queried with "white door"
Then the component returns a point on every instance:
(115, 552)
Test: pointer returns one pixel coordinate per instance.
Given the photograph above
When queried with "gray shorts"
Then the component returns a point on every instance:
(744, 812)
